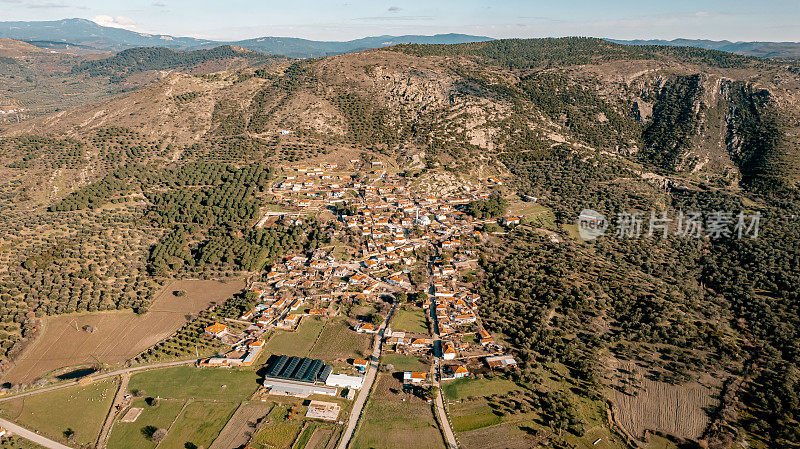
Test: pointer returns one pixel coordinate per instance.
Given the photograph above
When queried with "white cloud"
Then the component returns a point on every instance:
(115, 22)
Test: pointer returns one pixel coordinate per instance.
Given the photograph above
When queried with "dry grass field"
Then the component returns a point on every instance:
(236, 432)
(118, 335)
(678, 410)
(339, 342)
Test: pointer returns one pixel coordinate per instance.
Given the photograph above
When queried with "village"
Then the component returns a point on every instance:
(407, 257)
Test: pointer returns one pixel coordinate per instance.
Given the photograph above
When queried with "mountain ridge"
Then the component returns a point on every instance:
(83, 33)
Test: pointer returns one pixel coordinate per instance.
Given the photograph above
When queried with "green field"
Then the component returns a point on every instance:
(464, 388)
(410, 321)
(471, 416)
(279, 432)
(403, 362)
(338, 341)
(80, 408)
(297, 343)
(389, 422)
(188, 382)
(125, 435)
(200, 423)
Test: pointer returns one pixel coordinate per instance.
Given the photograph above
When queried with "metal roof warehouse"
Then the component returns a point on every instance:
(298, 369)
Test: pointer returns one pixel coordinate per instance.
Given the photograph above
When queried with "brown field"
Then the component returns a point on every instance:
(339, 342)
(320, 438)
(237, 432)
(500, 436)
(677, 410)
(119, 335)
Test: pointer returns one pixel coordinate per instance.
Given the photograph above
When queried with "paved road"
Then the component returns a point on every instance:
(366, 387)
(32, 436)
(100, 376)
(436, 370)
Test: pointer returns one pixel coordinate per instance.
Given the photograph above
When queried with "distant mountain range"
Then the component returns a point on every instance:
(82, 34)
(760, 49)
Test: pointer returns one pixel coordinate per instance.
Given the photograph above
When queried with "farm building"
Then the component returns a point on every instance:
(294, 388)
(344, 381)
(300, 369)
(501, 361)
(460, 371)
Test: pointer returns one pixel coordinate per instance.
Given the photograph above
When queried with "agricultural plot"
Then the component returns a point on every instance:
(297, 343)
(115, 336)
(199, 423)
(473, 415)
(71, 415)
(188, 382)
(161, 416)
(494, 412)
(412, 320)
(338, 342)
(468, 387)
(677, 410)
(238, 430)
(280, 431)
(320, 439)
(393, 419)
(402, 362)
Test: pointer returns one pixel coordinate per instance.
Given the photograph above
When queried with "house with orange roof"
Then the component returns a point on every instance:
(360, 364)
(367, 328)
(449, 352)
(216, 329)
(484, 338)
(460, 371)
(414, 377)
(465, 318)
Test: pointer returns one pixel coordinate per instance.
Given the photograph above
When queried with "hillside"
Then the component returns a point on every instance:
(45, 81)
(168, 180)
(780, 50)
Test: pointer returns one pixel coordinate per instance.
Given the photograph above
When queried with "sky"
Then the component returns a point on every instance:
(734, 20)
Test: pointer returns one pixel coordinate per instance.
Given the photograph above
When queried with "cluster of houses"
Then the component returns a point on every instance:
(245, 347)
(390, 226)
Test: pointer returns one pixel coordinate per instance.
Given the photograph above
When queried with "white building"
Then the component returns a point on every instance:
(344, 381)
